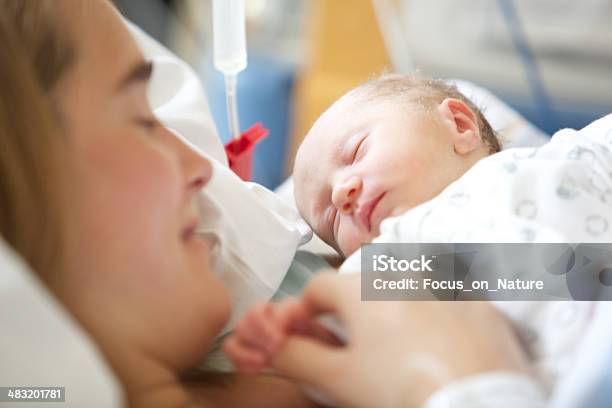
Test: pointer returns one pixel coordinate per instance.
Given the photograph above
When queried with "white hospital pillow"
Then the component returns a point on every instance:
(41, 345)
(257, 232)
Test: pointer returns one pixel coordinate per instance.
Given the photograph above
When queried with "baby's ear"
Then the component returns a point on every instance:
(464, 125)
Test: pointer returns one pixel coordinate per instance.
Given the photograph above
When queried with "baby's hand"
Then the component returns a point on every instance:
(259, 336)
(256, 338)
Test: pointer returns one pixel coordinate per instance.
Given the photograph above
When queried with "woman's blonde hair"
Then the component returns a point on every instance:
(32, 59)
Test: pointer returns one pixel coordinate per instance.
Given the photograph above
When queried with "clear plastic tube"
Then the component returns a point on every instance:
(229, 36)
(230, 55)
(232, 106)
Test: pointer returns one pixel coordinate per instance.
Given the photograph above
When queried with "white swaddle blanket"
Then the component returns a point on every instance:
(560, 192)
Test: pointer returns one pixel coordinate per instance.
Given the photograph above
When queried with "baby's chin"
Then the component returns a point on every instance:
(351, 246)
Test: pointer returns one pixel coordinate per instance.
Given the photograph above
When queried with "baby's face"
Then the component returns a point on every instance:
(363, 162)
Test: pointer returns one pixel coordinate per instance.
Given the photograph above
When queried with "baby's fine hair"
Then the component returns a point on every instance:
(425, 93)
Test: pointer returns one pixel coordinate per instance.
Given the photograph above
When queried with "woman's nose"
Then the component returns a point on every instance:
(199, 171)
(196, 168)
(345, 194)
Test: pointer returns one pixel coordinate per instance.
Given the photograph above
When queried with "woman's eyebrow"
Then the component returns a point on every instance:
(141, 72)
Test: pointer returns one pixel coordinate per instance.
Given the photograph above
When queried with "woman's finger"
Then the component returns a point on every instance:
(329, 294)
(316, 330)
(310, 362)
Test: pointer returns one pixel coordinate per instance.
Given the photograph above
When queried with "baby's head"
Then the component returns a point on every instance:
(382, 149)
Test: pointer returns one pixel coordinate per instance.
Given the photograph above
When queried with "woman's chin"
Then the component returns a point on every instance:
(218, 306)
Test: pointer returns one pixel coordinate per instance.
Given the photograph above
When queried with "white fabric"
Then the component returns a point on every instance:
(493, 390)
(592, 363)
(257, 233)
(561, 192)
(41, 345)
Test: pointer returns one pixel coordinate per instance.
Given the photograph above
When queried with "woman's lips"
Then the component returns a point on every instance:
(364, 214)
(188, 232)
(194, 240)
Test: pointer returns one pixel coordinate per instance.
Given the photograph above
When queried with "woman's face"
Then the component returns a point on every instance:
(136, 272)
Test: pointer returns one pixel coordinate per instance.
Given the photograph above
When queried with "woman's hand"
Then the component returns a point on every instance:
(398, 353)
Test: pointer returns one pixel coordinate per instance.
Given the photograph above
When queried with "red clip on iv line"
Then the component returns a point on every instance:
(230, 57)
(240, 151)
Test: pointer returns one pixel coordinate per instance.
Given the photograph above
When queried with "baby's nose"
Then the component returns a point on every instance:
(348, 206)
(345, 195)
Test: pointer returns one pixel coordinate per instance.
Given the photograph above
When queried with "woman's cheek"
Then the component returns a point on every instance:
(158, 193)
(150, 175)
(134, 191)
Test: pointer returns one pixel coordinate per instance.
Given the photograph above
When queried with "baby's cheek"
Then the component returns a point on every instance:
(320, 232)
(350, 239)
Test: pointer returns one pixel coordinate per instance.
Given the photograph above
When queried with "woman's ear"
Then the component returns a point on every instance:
(465, 131)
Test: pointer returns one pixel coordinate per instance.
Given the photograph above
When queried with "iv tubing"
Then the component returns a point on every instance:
(232, 106)
(543, 102)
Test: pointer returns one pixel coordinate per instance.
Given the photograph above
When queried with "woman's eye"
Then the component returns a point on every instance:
(358, 150)
(148, 124)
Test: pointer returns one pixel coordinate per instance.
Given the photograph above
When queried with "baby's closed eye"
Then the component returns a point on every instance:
(360, 149)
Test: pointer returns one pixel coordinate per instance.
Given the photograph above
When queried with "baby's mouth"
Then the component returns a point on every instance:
(364, 214)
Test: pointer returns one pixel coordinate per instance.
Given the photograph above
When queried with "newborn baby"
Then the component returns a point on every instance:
(382, 149)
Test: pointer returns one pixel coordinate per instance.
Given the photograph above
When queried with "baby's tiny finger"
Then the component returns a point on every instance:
(265, 333)
(244, 358)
